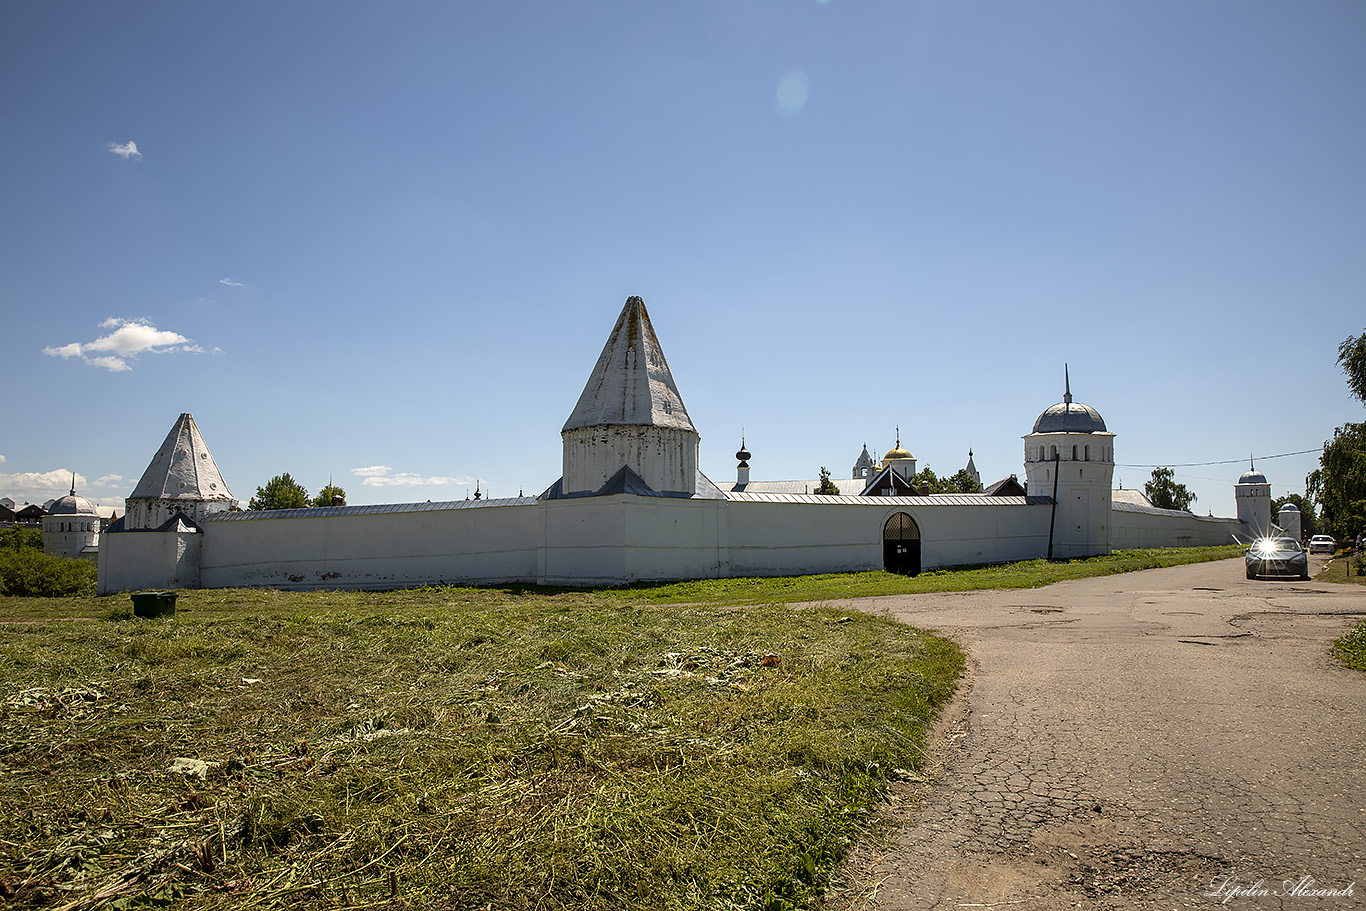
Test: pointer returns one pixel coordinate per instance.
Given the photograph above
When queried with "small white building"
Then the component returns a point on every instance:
(632, 505)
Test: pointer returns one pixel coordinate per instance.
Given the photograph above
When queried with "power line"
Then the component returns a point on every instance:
(1279, 455)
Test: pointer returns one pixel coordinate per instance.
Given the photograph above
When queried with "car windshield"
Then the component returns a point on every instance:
(1276, 546)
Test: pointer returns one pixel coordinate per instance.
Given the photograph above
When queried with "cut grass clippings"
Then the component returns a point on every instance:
(448, 748)
(506, 747)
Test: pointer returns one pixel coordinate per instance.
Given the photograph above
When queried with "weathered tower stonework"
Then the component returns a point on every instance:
(630, 415)
(181, 479)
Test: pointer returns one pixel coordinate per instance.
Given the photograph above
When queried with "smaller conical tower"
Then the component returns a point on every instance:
(182, 478)
(864, 466)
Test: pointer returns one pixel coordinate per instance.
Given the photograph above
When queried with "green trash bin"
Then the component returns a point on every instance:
(153, 604)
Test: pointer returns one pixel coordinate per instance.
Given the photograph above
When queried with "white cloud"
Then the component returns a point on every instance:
(407, 479)
(2, 460)
(38, 486)
(230, 283)
(379, 476)
(112, 364)
(129, 339)
(127, 150)
(106, 480)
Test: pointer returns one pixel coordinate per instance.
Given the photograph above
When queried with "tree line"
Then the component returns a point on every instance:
(283, 492)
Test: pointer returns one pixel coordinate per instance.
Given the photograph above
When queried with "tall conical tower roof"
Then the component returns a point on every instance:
(183, 468)
(631, 383)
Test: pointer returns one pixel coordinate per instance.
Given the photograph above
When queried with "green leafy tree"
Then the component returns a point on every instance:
(1165, 493)
(17, 537)
(962, 482)
(280, 492)
(1352, 360)
(926, 478)
(826, 485)
(331, 495)
(1309, 523)
(1338, 485)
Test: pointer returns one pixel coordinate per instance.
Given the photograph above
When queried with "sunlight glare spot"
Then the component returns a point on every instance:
(791, 95)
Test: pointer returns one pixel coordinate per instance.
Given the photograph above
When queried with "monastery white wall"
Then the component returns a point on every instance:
(491, 541)
(625, 538)
(138, 560)
(787, 535)
(1152, 527)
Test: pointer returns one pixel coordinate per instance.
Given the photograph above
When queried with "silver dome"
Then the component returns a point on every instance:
(1070, 417)
(72, 505)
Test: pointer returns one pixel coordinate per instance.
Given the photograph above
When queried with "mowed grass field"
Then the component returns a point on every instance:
(698, 745)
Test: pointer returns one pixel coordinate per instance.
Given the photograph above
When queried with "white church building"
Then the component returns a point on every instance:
(631, 505)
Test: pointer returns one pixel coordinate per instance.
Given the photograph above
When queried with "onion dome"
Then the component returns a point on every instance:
(897, 454)
(1068, 416)
(743, 455)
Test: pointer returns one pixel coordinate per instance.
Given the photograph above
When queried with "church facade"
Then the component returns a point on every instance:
(631, 505)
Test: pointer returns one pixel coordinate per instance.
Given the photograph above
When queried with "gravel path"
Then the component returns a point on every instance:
(1163, 739)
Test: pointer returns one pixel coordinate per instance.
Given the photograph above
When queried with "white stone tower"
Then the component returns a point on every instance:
(630, 415)
(182, 478)
(1290, 521)
(972, 471)
(71, 527)
(1253, 496)
(1070, 456)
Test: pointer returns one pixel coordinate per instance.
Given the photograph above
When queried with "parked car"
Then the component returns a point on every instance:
(1322, 544)
(1276, 557)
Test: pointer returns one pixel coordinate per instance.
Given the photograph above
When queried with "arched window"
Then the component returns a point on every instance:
(1074, 452)
(1088, 452)
(1052, 452)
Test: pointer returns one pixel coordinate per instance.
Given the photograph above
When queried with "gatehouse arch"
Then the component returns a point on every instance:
(901, 545)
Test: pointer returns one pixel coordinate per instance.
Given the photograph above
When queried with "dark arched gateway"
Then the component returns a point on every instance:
(901, 545)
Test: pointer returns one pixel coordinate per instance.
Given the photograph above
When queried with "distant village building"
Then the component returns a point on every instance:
(631, 504)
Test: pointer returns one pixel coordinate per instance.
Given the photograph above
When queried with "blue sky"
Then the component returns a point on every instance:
(383, 243)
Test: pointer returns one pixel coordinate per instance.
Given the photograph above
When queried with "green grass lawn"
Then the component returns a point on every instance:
(514, 747)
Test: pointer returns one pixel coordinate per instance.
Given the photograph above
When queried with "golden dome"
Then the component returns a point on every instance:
(897, 454)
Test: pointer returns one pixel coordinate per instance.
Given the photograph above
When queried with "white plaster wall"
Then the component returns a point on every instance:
(68, 543)
(373, 550)
(664, 457)
(139, 560)
(1171, 528)
(581, 541)
(844, 534)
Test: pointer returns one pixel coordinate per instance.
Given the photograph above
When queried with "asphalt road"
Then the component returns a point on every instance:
(1163, 739)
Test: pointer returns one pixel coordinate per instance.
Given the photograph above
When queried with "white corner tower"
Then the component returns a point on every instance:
(1070, 456)
(71, 527)
(630, 416)
(182, 478)
(1253, 495)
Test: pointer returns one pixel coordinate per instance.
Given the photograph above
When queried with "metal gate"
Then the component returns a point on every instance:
(901, 545)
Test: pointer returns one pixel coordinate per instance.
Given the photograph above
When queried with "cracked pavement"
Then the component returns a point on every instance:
(1173, 738)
